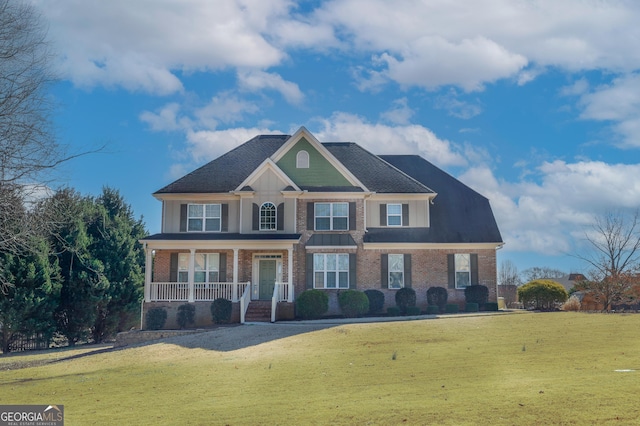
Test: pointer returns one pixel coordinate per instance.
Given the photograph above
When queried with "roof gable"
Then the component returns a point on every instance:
(266, 167)
(324, 169)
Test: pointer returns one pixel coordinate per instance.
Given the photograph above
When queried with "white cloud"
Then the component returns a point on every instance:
(550, 215)
(433, 61)
(399, 113)
(457, 108)
(206, 145)
(619, 103)
(258, 80)
(139, 45)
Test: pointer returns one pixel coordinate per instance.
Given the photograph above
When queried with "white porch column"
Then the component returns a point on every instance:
(192, 273)
(236, 296)
(148, 273)
(290, 274)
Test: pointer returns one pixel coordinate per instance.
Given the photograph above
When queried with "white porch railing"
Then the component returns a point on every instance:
(245, 299)
(282, 292)
(202, 292)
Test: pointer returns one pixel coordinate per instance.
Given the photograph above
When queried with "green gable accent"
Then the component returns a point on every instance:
(320, 171)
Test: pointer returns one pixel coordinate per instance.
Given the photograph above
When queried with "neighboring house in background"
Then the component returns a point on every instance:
(281, 214)
(569, 281)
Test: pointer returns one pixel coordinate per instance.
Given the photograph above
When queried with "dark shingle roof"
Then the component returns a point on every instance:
(458, 214)
(332, 240)
(225, 173)
(376, 174)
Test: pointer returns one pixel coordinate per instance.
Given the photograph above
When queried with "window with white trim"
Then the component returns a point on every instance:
(207, 267)
(330, 270)
(302, 160)
(396, 270)
(268, 217)
(331, 216)
(394, 214)
(204, 217)
(463, 270)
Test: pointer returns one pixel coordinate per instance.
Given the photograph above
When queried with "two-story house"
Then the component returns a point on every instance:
(280, 214)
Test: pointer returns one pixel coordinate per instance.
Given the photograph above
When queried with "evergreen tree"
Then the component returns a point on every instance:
(115, 235)
(27, 306)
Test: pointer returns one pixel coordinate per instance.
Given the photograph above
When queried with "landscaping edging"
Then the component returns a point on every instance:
(127, 338)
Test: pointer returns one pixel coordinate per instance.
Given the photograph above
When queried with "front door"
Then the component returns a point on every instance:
(267, 274)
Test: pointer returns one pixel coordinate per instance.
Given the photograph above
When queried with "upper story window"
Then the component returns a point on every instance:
(463, 270)
(204, 217)
(331, 216)
(394, 214)
(268, 220)
(302, 160)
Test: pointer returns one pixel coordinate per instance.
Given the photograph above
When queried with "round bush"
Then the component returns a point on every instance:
(437, 296)
(477, 294)
(353, 303)
(221, 311)
(156, 317)
(186, 315)
(312, 304)
(542, 294)
(405, 297)
(376, 300)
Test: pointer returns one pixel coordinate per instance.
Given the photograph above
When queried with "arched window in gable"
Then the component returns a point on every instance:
(268, 220)
(302, 160)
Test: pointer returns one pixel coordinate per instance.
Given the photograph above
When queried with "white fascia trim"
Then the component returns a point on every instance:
(401, 197)
(197, 197)
(432, 246)
(303, 132)
(267, 164)
(220, 244)
(333, 195)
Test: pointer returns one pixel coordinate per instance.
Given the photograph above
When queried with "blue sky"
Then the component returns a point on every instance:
(534, 104)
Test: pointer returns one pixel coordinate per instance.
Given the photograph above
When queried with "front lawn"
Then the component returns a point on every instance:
(527, 369)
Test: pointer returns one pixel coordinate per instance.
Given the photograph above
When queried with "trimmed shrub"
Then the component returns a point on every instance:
(452, 308)
(437, 296)
(542, 294)
(186, 315)
(471, 307)
(477, 294)
(413, 310)
(393, 311)
(491, 307)
(312, 304)
(156, 317)
(405, 297)
(221, 311)
(433, 310)
(353, 303)
(376, 300)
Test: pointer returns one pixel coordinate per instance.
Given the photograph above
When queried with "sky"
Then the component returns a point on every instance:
(533, 104)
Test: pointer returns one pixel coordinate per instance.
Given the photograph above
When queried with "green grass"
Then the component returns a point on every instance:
(528, 369)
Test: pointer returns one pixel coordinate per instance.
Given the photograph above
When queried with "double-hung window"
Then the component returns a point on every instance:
(204, 217)
(207, 267)
(331, 216)
(394, 214)
(330, 270)
(268, 217)
(462, 270)
(396, 270)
